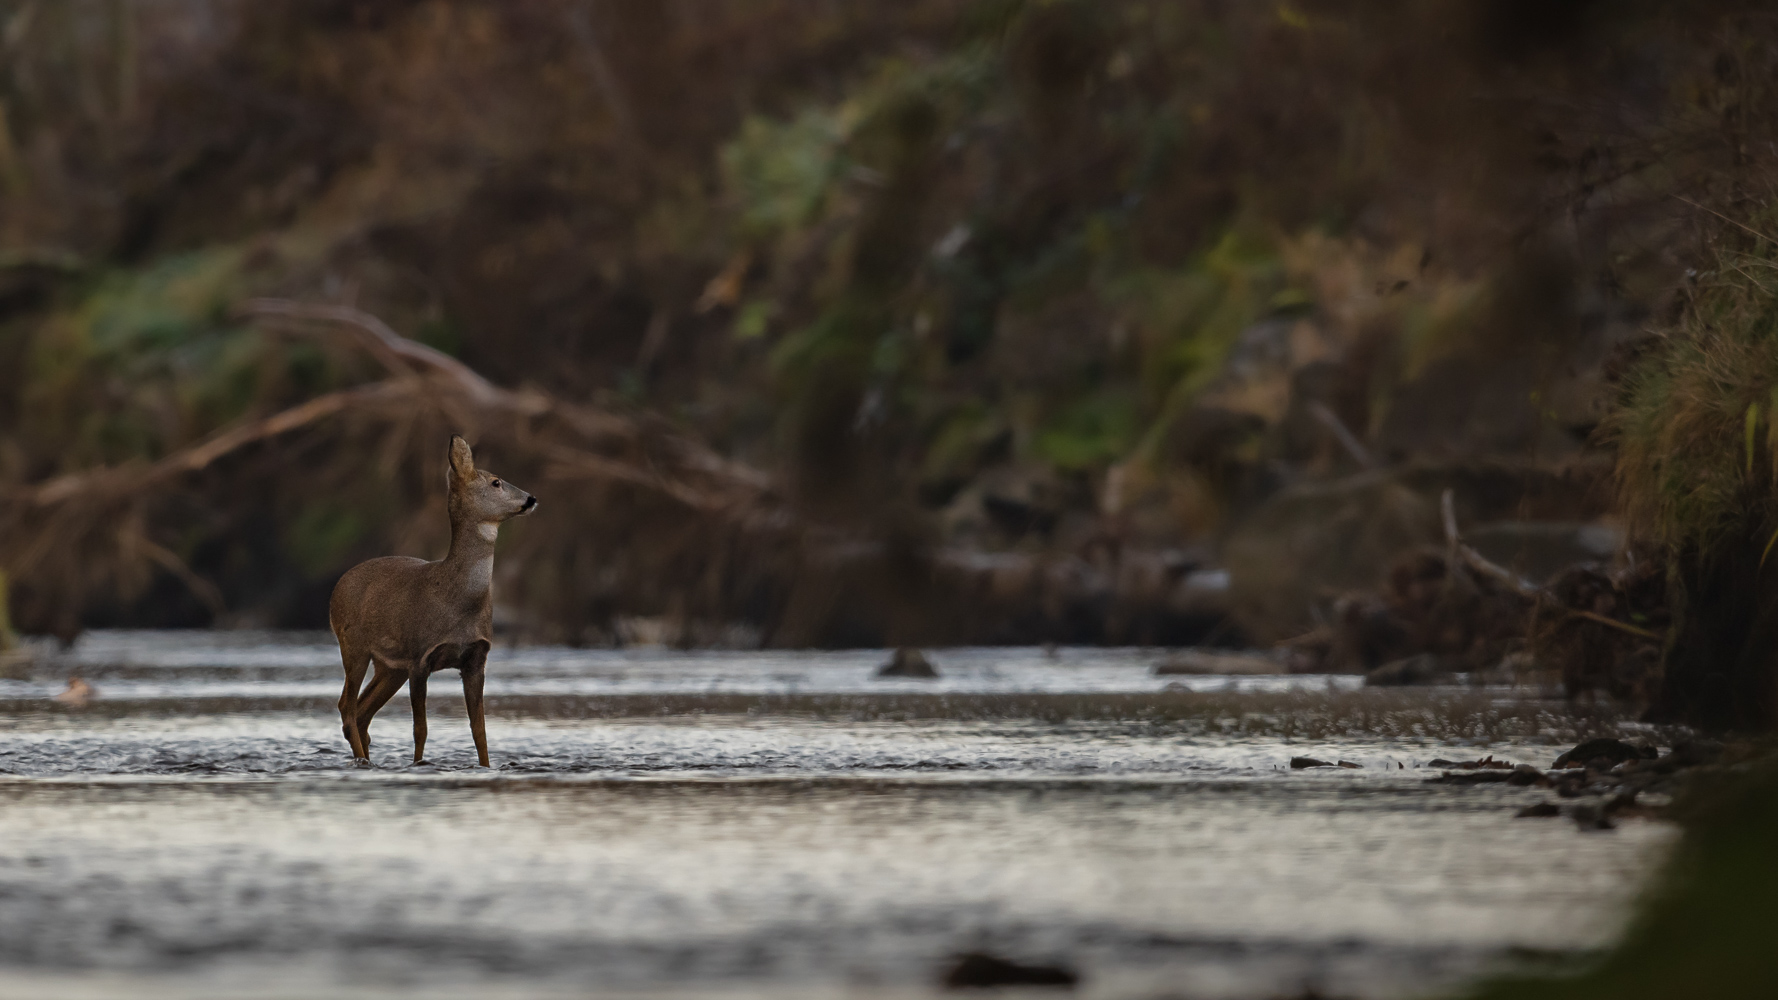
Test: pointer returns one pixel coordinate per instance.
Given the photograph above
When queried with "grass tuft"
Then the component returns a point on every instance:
(1694, 470)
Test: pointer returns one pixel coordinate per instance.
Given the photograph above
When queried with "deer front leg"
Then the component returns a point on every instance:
(416, 690)
(474, 662)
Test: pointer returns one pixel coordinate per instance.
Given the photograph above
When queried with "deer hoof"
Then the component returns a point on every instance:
(361, 761)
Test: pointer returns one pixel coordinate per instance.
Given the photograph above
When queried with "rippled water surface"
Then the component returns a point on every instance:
(769, 824)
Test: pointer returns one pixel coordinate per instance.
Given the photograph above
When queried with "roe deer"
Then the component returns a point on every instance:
(413, 618)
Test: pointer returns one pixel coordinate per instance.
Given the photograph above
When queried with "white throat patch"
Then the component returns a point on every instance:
(488, 530)
(481, 575)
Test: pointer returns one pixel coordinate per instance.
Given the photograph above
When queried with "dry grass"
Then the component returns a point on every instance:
(1697, 431)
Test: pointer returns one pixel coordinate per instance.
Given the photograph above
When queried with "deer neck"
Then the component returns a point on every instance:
(472, 554)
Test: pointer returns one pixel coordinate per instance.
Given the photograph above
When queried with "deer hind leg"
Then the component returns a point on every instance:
(475, 659)
(382, 687)
(437, 658)
(356, 661)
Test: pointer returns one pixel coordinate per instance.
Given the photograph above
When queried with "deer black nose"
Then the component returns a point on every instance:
(530, 505)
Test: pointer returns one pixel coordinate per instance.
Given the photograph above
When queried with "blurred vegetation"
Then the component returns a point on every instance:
(1698, 472)
(1054, 279)
(1702, 931)
(8, 638)
(1697, 443)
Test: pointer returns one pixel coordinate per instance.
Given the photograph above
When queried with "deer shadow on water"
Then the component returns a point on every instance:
(413, 618)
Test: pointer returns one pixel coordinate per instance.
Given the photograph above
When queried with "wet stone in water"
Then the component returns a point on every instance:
(1423, 668)
(1612, 751)
(978, 970)
(908, 662)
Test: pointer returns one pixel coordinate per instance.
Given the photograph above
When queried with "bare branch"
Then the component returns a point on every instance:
(1345, 437)
(1593, 616)
(610, 89)
(199, 456)
(397, 353)
(166, 559)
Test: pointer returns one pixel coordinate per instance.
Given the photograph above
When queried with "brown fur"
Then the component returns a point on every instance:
(412, 618)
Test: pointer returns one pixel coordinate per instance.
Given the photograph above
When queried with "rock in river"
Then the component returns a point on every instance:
(1197, 661)
(908, 662)
(1614, 751)
(1424, 668)
(78, 694)
(979, 969)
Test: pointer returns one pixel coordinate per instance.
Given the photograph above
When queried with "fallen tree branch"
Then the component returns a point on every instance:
(1614, 623)
(397, 353)
(1459, 551)
(168, 560)
(197, 457)
(1342, 434)
(401, 356)
(569, 465)
(41, 524)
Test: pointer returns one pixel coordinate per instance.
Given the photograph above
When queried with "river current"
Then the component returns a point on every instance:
(769, 824)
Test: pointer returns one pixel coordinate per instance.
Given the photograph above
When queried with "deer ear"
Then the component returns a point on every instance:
(462, 459)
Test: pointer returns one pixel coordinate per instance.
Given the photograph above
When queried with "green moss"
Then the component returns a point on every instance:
(839, 203)
(440, 334)
(753, 320)
(842, 333)
(962, 440)
(780, 172)
(1091, 432)
(139, 362)
(1191, 317)
(145, 359)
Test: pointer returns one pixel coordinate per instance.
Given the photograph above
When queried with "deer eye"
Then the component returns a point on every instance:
(494, 483)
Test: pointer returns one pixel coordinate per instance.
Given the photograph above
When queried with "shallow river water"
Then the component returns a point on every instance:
(771, 824)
